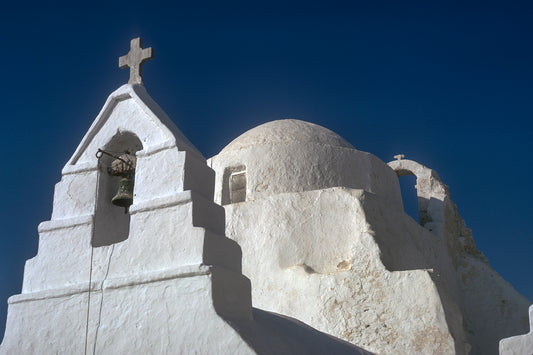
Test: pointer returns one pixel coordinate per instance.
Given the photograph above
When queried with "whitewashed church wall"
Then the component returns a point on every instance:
(54, 265)
(297, 167)
(123, 318)
(75, 195)
(166, 238)
(313, 256)
(159, 174)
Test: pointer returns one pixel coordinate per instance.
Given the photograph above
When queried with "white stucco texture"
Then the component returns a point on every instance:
(325, 240)
(296, 156)
(158, 278)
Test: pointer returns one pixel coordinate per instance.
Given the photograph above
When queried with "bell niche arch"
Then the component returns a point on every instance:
(111, 221)
(431, 193)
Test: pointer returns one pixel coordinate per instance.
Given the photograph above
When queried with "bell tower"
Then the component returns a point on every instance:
(117, 279)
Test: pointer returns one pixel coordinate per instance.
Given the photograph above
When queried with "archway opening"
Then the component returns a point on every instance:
(111, 223)
(409, 196)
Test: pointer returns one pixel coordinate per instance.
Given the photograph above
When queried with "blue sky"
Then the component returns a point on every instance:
(447, 84)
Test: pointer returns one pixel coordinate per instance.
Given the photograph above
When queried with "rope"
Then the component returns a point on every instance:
(110, 254)
(89, 300)
(91, 270)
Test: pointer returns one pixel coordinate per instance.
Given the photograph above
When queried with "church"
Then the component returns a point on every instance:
(288, 241)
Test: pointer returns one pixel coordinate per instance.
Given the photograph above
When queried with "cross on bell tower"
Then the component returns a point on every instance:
(135, 59)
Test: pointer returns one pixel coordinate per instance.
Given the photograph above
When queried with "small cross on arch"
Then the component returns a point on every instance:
(135, 60)
(399, 157)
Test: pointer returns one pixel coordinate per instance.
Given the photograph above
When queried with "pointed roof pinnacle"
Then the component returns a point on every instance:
(135, 60)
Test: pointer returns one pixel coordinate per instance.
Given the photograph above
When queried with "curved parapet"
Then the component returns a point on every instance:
(436, 210)
(489, 305)
(431, 192)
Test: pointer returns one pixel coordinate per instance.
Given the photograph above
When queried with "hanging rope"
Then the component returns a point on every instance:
(89, 300)
(91, 267)
(110, 254)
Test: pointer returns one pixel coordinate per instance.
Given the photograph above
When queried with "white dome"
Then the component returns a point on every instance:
(286, 132)
(295, 156)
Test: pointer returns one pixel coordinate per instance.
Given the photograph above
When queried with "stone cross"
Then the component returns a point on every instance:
(135, 60)
(399, 157)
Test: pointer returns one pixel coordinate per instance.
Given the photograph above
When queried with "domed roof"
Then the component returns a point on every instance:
(292, 156)
(285, 132)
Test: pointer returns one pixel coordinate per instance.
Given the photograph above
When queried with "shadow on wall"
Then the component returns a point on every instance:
(413, 243)
(289, 336)
(404, 244)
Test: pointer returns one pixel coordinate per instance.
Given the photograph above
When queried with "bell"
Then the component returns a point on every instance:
(124, 196)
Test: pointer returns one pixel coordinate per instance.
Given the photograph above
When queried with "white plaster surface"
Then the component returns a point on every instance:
(325, 240)
(162, 278)
(490, 306)
(520, 344)
(79, 193)
(332, 277)
(293, 156)
(165, 315)
(142, 291)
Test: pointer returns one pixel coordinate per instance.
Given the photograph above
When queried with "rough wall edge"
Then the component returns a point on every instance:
(143, 206)
(120, 94)
(162, 275)
(153, 110)
(151, 150)
(148, 106)
(51, 225)
(162, 202)
(146, 152)
(77, 169)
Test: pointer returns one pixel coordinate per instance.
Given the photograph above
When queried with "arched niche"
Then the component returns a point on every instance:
(234, 184)
(111, 223)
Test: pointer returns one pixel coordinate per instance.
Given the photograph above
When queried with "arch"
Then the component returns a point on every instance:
(111, 223)
(431, 193)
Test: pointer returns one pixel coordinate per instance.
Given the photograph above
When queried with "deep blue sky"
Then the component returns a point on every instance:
(448, 85)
